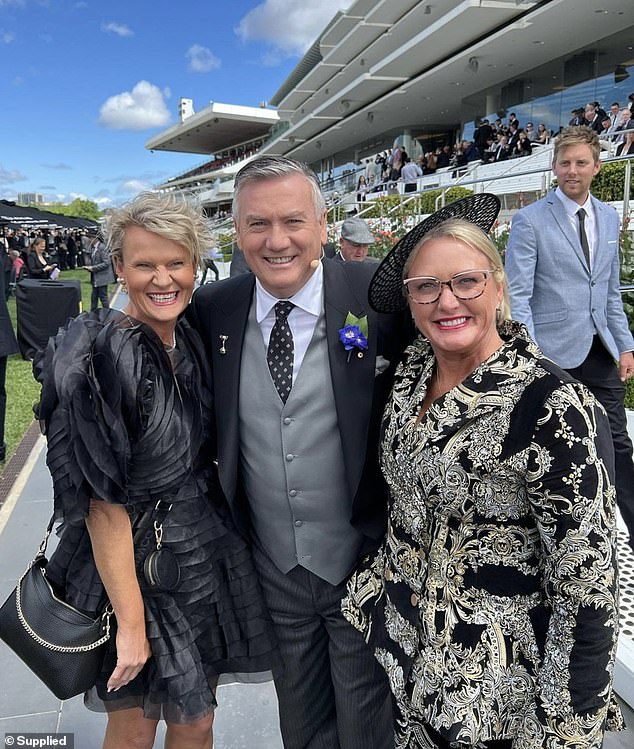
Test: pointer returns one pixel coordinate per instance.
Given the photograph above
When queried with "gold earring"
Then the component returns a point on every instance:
(123, 284)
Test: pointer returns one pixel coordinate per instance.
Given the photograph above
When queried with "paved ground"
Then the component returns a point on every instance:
(247, 714)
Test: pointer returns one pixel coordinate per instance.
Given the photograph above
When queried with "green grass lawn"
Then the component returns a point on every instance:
(22, 389)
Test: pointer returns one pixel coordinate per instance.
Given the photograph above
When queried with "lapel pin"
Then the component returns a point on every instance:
(223, 341)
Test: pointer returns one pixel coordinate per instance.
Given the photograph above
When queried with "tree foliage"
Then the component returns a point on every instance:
(79, 207)
(609, 183)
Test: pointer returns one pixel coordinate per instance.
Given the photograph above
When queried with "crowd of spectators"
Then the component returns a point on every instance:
(62, 248)
(491, 142)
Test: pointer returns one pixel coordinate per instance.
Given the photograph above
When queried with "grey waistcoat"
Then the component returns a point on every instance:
(292, 464)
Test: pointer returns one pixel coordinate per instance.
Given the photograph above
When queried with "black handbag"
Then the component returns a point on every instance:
(63, 646)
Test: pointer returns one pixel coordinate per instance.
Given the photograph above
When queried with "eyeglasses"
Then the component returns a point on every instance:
(469, 284)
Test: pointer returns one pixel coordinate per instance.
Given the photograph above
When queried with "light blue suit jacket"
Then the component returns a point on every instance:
(552, 291)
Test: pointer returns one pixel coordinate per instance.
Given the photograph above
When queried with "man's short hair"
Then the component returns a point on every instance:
(274, 167)
(575, 136)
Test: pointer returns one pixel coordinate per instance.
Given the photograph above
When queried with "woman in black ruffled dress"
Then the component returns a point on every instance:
(127, 417)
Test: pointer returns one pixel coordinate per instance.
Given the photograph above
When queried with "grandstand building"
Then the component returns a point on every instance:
(422, 73)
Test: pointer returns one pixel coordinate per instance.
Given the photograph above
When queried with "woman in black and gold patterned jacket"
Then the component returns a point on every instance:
(492, 603)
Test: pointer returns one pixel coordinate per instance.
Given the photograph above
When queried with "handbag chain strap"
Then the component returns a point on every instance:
(105, 623)
(105, 617)
(158, 514)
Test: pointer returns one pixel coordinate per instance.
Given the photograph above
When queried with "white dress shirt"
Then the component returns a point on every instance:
(302, 319)
(590, 222)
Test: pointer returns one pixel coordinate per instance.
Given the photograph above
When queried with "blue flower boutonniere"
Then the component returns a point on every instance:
(354, 334)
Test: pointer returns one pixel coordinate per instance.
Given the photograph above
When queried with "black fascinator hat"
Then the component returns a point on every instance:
(386, 287)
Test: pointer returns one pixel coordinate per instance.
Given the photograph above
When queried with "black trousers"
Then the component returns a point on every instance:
(599, 373)
(98, 294)
(332, 693)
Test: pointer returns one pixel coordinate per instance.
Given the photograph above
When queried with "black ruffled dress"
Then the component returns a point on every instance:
(127, 423)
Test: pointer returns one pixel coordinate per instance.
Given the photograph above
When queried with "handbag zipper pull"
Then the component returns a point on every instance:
(105, 617)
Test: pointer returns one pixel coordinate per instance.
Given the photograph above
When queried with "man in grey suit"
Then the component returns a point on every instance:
(101, 273)
(296, 416)
(562, 264)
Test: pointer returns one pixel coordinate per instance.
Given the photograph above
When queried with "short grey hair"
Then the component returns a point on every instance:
(272, 167)
(172, 217)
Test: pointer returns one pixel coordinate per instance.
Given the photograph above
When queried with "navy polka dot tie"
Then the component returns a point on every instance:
(280, 354)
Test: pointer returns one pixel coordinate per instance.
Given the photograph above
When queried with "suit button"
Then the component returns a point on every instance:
(292, 493)
(289, 457)
(388, 574)
(299, 523)
(287, 420)
(593, 283)
(414, 599)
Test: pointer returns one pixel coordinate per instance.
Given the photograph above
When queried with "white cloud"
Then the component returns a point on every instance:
(6, 37)
(116, 28)
(133, 186)
(8, 177)
(201, 59)
(288, 25)
(139, 109)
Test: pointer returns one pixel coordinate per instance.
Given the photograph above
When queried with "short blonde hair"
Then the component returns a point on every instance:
(171, 217)
(578, 135)
(464, 231)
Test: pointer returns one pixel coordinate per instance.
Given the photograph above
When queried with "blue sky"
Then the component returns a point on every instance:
(85, 83)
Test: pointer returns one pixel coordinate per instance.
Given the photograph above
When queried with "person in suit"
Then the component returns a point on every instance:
(101, 274)
(563, 271)
(593, 117)
(356, 239)
(298, 400)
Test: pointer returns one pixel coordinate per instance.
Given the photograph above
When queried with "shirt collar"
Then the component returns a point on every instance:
(308, 298)
(571, 207)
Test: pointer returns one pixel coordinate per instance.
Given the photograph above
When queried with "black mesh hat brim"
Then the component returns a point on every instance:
(386, 287)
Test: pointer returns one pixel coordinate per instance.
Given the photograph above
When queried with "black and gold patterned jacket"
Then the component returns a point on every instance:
(492, 603)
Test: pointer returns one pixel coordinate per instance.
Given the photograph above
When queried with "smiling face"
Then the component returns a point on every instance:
(159, 274)
(574, 168)
(280, 233)
(462, 333)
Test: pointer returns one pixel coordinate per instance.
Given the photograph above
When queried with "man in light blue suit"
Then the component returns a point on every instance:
(562, 263)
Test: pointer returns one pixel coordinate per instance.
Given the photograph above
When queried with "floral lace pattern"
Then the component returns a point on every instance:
(492, 603)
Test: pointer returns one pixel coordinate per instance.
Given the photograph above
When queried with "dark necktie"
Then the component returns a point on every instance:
(581, 215)
(280, 354)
